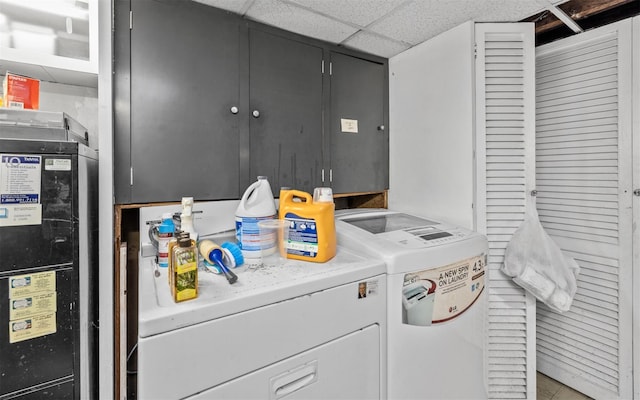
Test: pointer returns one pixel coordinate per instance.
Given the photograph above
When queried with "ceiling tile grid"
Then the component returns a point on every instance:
(380, 27)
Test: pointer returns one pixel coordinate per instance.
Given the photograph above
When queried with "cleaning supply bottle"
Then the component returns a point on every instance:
(179, 234)
(312, 229)
(184, 265)
(165, 233)
(186, 218)
(257, 203)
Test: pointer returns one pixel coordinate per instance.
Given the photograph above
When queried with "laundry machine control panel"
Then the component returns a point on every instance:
(406, 230)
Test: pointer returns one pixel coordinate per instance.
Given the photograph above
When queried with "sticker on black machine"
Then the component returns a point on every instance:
(437, 295)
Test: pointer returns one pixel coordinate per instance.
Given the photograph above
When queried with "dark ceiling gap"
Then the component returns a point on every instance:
(588, 14)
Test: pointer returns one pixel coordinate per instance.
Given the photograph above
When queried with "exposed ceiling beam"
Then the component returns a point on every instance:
(562, 16)
(576, 10)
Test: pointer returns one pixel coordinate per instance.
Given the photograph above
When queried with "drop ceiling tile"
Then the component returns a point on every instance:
(422, 20)
(293, 18)
(375, 44)
(235, 6)
(505, 10)
(358, 12)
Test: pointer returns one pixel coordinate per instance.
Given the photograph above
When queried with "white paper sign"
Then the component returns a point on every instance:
(349, 125)
(20, 195)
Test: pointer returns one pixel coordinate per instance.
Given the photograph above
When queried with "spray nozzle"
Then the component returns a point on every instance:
(187, 206)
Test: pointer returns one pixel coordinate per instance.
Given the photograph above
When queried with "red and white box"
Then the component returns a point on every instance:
(21, 92)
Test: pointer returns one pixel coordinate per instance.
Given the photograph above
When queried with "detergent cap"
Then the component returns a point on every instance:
(323, 195)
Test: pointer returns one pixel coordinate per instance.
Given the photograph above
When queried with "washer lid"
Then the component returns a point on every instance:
(380, 223)
(406, 242)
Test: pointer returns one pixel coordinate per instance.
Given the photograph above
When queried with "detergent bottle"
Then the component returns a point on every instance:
(312, 229)
(257, 203)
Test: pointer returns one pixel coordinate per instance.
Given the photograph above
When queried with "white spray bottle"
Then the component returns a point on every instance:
(186, 218)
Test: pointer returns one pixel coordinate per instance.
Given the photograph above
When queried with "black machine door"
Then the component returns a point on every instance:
(39, 265)
(41, 348)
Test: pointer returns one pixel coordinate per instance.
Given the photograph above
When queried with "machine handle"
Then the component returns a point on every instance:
(294, 380)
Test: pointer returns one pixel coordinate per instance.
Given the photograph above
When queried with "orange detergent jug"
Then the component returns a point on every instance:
(312, 228)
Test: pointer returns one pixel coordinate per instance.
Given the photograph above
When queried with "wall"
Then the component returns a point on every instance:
(81, 103)
(433, 133)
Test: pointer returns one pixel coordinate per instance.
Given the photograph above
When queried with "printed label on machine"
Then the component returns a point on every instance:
(20, 190)
(437, 295)
(32, 305)
(367, 289)
(32, 327)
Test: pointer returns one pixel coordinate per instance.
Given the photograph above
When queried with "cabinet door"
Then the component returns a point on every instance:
(285, 87)
(359, 140)
(184, 82)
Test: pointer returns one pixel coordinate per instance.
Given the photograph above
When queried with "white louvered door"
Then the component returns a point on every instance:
(505, 176)
(583, 176)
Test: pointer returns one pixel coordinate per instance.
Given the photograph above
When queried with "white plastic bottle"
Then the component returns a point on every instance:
(186, 218)
(257, 203)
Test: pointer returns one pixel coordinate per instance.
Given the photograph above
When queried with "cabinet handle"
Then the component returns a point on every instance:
(636, 192)
(381, 127)
(234, 110)
(256, 114)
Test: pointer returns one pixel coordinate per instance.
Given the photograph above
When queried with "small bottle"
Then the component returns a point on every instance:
(185, 270)
(165, 233)
(173, 243)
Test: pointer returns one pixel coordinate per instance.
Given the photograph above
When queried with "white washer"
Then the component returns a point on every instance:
(436, 335)
(299, 331)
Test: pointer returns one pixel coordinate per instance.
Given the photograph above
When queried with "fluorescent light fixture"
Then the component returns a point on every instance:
(63, 8)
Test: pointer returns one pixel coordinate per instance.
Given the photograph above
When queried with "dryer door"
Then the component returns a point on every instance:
(345, 368)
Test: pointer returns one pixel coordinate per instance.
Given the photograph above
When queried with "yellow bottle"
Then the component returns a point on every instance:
(184, 267)
(312, 229)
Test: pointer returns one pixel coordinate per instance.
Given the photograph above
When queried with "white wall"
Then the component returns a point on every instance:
(79, 102)
(431, 165)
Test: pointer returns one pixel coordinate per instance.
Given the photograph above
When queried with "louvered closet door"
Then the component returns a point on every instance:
(583, 176)
(505, 144)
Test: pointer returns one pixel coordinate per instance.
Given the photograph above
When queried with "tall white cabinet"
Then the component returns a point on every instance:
(462, 150)
(585, 139)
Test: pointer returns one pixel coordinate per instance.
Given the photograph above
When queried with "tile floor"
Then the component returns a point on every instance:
(549, 389)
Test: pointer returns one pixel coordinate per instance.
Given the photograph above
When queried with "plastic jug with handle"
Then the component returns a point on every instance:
(312, 229)
(257, 203)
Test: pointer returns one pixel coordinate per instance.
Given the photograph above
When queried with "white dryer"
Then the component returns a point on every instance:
(299, 331)
(436, 306)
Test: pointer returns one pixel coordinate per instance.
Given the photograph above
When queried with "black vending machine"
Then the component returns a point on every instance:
(48, 270)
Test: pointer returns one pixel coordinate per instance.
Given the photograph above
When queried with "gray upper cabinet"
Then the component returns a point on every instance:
(206, 101)
(285, 90)
(183, 138)
(359, 135)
